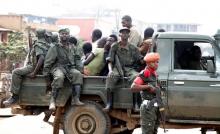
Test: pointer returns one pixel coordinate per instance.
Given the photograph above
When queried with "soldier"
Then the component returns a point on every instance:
(126, 55)
(54, 38)
(145, 83)
(35, 65)
(134, 37)
(62, 61)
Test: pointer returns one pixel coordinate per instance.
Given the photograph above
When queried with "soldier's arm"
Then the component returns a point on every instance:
(79, 64)
(138, 85)
(49, 60)
(89, 59)
(39, 53)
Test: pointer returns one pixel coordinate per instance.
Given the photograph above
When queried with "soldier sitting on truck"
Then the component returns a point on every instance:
(63, 60)
(38, 53)
(122, 57)
(95, 63)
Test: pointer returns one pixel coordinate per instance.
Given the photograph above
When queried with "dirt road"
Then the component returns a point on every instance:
(20, 124)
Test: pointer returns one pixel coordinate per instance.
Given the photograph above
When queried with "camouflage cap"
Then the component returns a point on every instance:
(64, 30)
(40, 32)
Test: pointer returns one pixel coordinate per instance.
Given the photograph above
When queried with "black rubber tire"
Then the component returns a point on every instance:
(87, 119)
(203, 130)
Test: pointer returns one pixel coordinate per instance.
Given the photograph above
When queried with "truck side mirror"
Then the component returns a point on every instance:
(210, 66)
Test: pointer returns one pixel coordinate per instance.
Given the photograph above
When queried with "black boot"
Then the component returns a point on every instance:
(109, 101)
(136, 106)
(12, 100)
(54, 94)
(76, 95)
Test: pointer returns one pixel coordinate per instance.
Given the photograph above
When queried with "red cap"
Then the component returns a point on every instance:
(152, 57)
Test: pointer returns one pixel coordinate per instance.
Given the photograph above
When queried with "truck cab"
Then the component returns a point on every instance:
(191, 95)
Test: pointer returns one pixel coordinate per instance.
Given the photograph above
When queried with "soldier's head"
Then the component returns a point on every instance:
(124, 33)
(40, 33)
(126, 21)
(48, 35)
(64, 35)
(152, 60)
(101, 43)
(87, 48)
(115, 38)
(54, 38)
(73, 40)
(148, 33)
(145, 46)
(96, 34)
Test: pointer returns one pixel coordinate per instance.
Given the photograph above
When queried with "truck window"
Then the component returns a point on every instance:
(192, 55)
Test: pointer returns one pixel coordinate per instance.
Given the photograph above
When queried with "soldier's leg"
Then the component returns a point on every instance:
(77, 81)
(110, 85)
(148, 119)
(157, 122)
(17, 76)
(57, 84)
(132, 74)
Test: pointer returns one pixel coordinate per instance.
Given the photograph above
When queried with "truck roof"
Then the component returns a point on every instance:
(181, 35)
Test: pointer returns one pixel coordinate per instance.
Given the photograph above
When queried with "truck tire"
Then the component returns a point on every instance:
(87, 119)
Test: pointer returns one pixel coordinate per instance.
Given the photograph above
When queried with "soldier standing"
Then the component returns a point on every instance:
(134, 36)
(128, 55)
(146, 84)
(35, 65)
(62, 61)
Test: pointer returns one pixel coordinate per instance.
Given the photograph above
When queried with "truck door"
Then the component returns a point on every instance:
(193, 94)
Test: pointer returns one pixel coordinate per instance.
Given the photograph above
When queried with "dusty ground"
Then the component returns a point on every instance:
(20, 124)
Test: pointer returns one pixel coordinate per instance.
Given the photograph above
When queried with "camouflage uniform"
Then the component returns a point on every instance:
(64, 61)
(149, 115)
(128, 57)
(56, 62)
(40, 48)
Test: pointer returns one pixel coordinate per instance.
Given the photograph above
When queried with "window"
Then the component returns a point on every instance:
(192, 55)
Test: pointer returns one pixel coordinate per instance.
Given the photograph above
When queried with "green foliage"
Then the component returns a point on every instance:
(15, 49)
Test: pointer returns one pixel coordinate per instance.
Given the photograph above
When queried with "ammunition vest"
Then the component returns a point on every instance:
(145, 94)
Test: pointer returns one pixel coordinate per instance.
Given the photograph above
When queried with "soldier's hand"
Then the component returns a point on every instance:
(32, 75)
(151, 88)
(111, 74)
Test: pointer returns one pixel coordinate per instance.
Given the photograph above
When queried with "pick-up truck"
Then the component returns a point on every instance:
(191, 97)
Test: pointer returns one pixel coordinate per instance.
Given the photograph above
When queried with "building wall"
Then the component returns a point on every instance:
(11, 22)
(79, 27)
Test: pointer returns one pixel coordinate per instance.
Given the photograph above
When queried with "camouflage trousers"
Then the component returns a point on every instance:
(58, 77)
(17, 76)
(111, 82)
(149, 119)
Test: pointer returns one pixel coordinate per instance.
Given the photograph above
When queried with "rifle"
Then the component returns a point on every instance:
(30, 45)
(119, 67)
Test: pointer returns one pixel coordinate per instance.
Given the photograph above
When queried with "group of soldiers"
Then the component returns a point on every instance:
(62, 59)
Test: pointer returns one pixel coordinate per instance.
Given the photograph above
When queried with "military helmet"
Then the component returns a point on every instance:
(40, 32)
(152, 57)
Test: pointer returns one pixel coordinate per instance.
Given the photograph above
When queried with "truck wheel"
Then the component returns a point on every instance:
(203, 130)
(87, 119)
